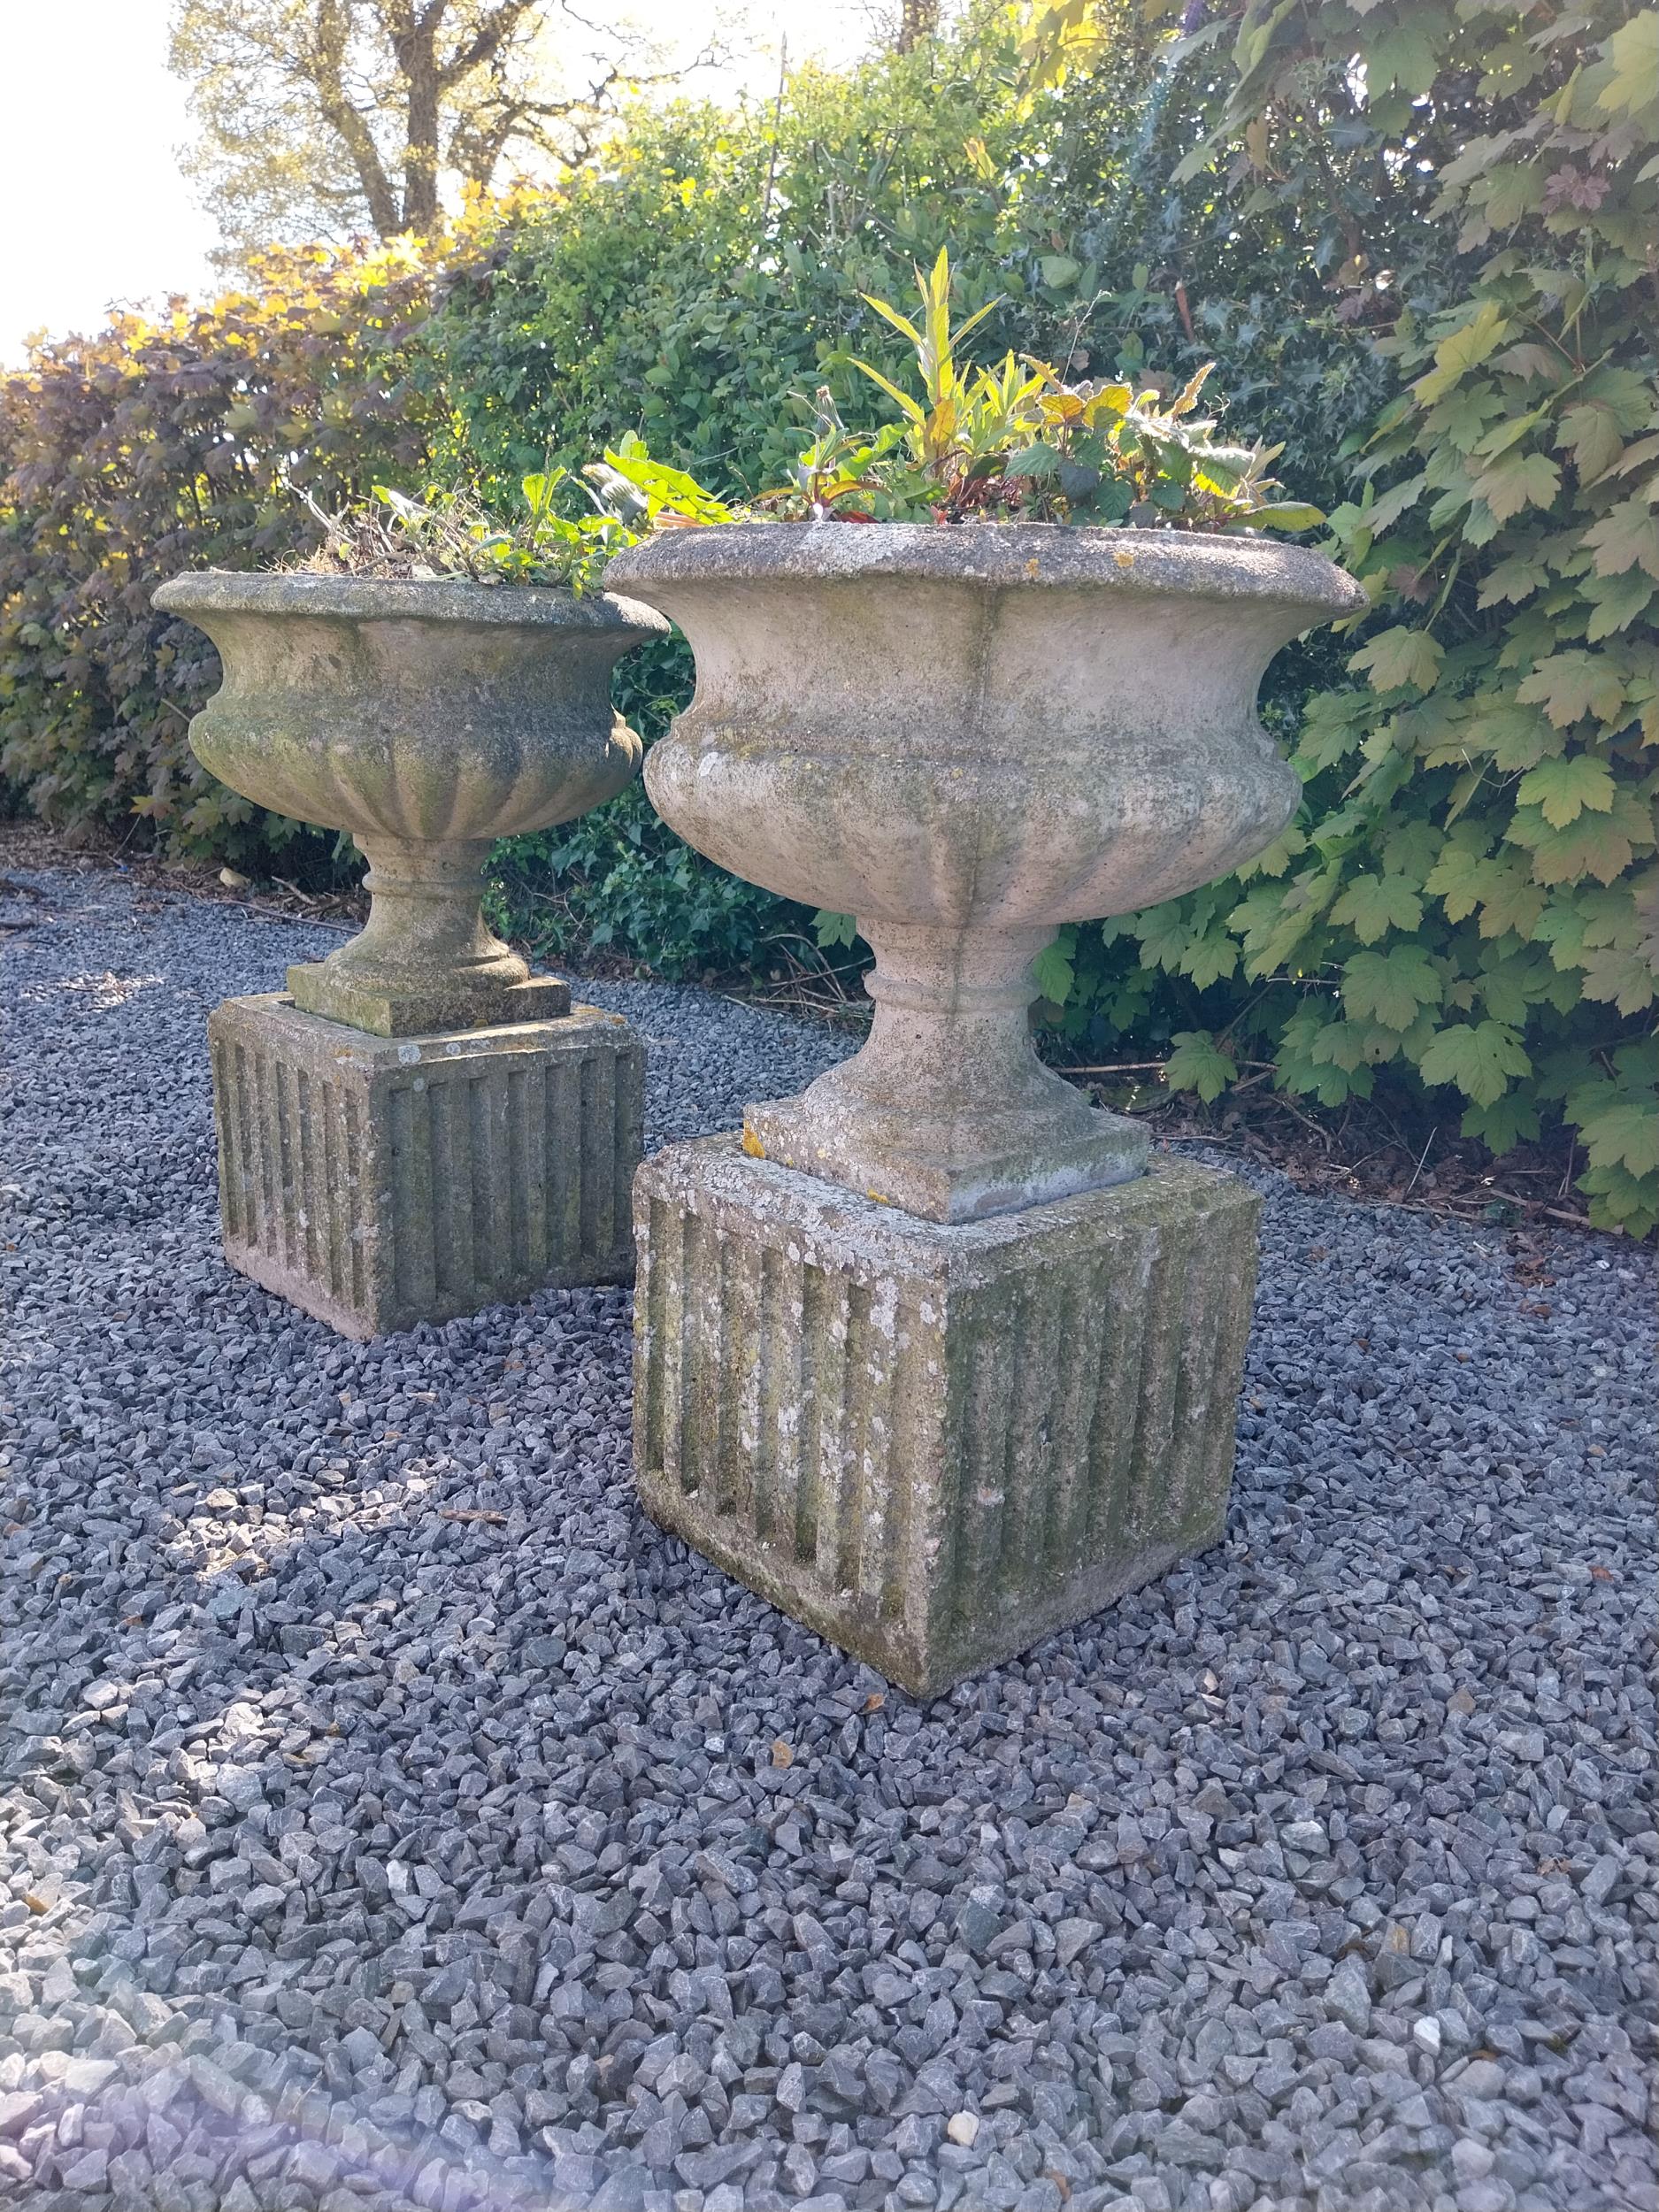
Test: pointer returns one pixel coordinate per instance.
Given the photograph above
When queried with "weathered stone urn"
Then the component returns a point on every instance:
(964, 738)
(418, 1127)
(429, 719)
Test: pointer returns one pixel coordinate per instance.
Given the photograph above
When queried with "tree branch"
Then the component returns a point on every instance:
(331, 26)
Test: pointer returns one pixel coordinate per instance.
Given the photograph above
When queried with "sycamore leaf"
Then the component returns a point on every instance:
(1277, 857)
(1624, 1132)
(1511, 900)
(1052, 973)
(1621, 974)
(1596, 845)
(1212, 959)
(1480, 1057)
(1350, 1045)
(1615, 602)
(1464, 349)
(1404, 59)
(1516, 579)
(1563, 788)
(1388, 506)
(1568, 686)
(1462, 419)
(1283, 514)
(1619, 1200)
(1390, 987)
(1509, 1121)
(1515, 190)
(1530, 361)
(1399, 656)
(1626, 537)
(1331, 728)
(1591, 435)
(1510, 985)
(1519, 479)
(1460, 879)
(1373, 906)
(1307, 1062)
(1197, 1063)
(1409, 849)
(1515, 736)
(1163, 933)
(1634, 52)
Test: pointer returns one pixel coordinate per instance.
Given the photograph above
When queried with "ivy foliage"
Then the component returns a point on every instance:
(1467, 896)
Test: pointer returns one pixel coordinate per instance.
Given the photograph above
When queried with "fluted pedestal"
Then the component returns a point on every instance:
(936, 1443)
(381, 1182)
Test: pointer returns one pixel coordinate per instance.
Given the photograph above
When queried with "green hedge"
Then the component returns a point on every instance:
(1453, 349)
(158, 446)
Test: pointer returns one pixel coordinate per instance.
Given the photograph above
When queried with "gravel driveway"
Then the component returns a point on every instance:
(389, 1815)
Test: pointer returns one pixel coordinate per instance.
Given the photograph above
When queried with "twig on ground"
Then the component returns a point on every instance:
(1412, 1185)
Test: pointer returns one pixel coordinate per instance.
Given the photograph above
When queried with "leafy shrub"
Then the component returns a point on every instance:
(1448, 242)
(1460, 900)
(619, 882)
(184, 442)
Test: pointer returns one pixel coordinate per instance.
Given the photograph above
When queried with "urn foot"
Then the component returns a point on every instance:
(936, 1445)
(869, 1153)
(946, 1110)
(425, 960)
(378, 1182)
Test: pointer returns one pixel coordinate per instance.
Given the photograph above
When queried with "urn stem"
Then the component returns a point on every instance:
(946, 1109)
(426, 959)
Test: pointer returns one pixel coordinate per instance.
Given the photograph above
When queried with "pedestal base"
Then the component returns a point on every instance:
(936, 1444)
(376, 1182)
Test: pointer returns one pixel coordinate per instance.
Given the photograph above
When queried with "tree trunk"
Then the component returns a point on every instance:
(326, 59)
(416, 47)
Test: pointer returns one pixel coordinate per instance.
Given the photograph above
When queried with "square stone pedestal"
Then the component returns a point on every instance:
(379, 1181)
(936, 1444)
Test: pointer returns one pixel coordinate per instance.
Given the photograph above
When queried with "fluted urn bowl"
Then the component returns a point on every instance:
(428, 718)
(966, 737)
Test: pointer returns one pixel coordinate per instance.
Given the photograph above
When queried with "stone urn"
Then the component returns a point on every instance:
(428, 719)
(964, 738)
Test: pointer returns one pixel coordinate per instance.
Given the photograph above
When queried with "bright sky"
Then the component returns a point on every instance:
(97, 211)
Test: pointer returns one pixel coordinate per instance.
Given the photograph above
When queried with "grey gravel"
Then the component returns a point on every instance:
(391, 1816)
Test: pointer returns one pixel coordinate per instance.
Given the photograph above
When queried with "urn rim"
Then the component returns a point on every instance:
(998, 556)
(444, 599)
